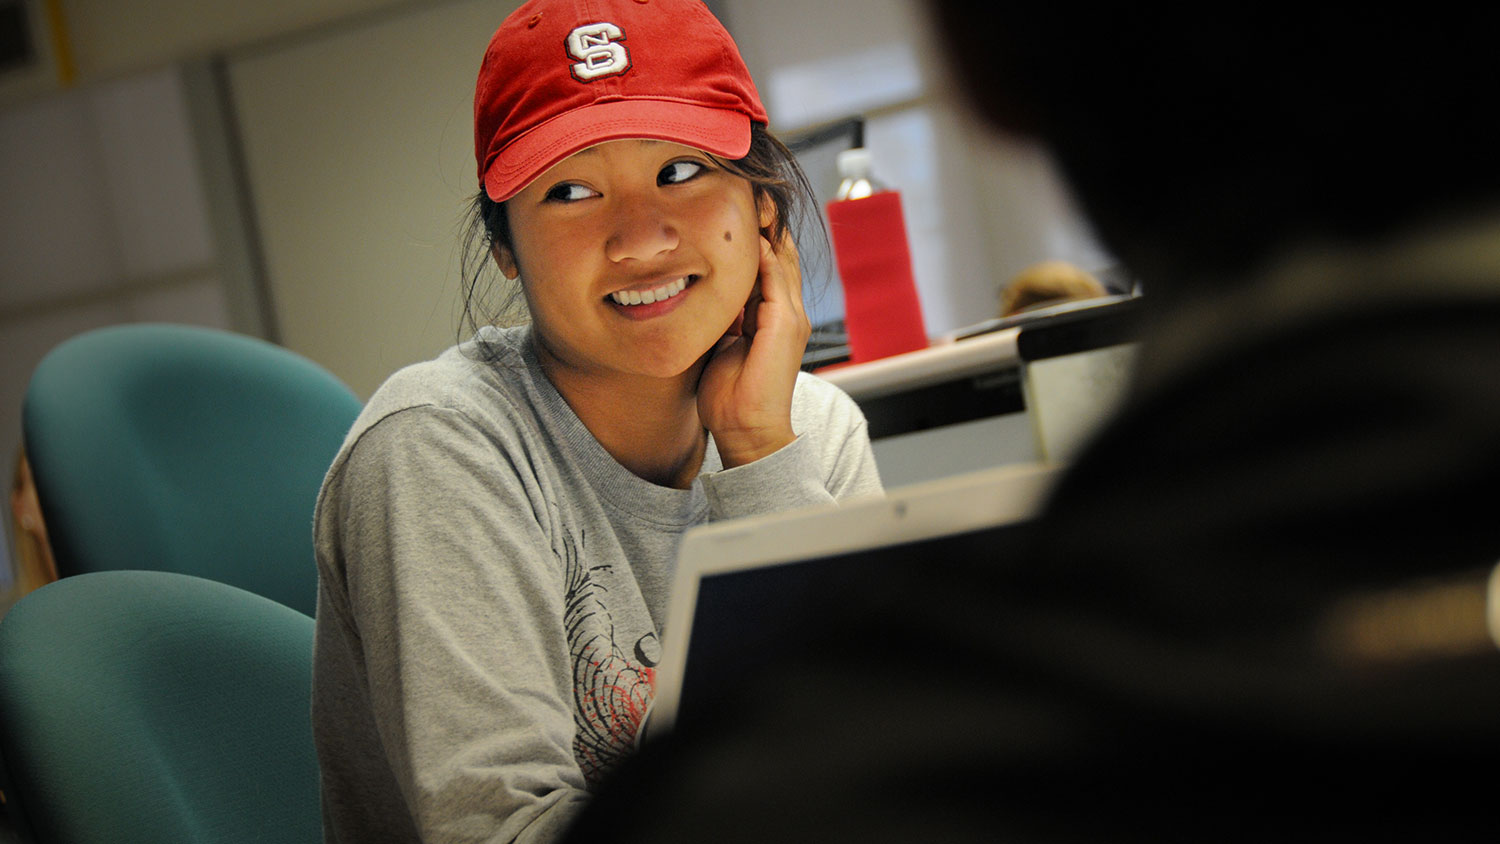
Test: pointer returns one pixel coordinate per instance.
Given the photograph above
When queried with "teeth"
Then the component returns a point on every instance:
(646, 297)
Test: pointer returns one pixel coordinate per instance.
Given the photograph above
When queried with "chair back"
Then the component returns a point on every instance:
(186, 449)
(142, 706)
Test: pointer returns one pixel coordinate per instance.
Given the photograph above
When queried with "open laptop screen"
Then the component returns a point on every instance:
(749, 619)
(743, 587)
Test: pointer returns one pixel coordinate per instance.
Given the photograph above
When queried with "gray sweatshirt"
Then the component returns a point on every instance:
(492, 587)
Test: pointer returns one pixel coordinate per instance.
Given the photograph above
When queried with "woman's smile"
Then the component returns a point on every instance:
(651, 302)
(651, 294)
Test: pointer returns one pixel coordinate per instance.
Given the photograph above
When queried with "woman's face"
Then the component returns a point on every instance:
(635, 256)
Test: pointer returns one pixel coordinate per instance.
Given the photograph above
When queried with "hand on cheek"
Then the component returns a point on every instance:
(745, 393)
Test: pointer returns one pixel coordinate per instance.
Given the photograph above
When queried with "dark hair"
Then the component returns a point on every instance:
(1205, 142)
(771, 169)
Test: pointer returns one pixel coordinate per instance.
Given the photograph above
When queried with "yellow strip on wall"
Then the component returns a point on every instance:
(62, 48)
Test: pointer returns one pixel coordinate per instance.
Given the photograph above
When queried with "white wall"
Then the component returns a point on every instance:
(359, 157)
(101, 221)
(92, 41)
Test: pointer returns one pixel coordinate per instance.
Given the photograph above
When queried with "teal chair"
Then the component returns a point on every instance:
(154, 707)
(186, 449)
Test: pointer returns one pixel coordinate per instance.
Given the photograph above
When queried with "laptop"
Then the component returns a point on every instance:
(740, 584)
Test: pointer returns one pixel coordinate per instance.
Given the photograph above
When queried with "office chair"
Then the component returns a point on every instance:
(186, 449)
(143, 706)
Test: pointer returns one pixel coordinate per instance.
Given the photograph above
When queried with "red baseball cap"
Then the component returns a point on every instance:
(562, 75)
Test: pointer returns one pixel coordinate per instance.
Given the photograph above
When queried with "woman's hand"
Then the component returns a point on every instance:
(745, 392)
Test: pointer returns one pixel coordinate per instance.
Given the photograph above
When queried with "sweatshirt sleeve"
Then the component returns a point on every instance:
(448, 597)
(829, 461)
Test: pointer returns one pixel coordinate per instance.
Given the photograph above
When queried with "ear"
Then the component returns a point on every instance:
(506, 261)
(765, 210)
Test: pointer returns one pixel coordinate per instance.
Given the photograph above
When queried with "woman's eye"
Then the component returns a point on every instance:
(679, 171)
(568, 192)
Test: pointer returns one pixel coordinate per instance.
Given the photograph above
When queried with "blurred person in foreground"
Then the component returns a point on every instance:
(1255, 607)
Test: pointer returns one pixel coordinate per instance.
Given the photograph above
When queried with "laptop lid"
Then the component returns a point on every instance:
(739, 582)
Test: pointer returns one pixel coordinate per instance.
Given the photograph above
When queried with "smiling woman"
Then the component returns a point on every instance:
(496, 537)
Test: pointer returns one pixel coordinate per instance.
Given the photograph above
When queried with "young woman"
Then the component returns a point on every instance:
(495, 540)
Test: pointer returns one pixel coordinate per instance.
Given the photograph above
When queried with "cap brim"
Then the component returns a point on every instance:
(723, 132)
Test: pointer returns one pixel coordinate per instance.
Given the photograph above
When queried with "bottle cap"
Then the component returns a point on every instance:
(853, 163)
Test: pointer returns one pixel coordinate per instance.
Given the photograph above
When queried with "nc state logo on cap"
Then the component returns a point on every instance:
(598, 52)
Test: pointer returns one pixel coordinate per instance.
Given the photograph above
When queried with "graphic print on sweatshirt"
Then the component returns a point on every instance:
(612, 685)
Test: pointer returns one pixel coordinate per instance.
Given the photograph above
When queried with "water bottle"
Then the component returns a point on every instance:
(882, 313)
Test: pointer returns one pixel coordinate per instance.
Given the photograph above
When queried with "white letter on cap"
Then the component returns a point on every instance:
(597, 53)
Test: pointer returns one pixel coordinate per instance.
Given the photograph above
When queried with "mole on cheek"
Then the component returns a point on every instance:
(728, 237)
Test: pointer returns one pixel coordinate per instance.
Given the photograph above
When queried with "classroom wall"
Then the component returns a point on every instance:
(359, 155)
(102, 221)
(114, 36)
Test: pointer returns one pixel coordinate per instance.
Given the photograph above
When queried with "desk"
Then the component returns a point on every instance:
(961, 404)
(946, 409)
